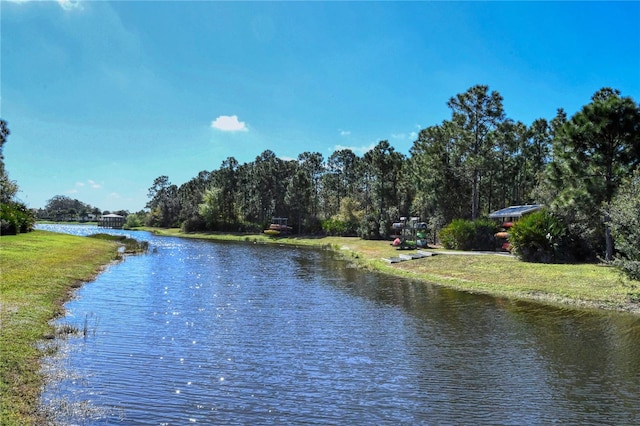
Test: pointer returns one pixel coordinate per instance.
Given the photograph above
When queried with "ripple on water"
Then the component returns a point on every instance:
(213, 333)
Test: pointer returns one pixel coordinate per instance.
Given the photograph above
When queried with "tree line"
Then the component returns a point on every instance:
(61, 208)
(477, 161)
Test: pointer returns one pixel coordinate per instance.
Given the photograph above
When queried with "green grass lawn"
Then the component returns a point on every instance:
(37, 271)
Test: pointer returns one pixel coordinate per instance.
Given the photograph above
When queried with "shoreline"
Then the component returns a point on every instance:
(581, 286)
(40, 272)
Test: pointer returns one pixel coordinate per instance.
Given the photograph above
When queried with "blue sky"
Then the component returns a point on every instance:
(103, 97)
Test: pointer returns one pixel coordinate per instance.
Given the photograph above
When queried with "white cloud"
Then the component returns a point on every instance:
(69, 4)
(412, 136)
(79, 185)
(229, 123)
(345, 132)
(65, 4)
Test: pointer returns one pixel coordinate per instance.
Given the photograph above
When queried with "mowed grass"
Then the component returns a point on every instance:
(37, 272)
(587, 285)
(584, 285)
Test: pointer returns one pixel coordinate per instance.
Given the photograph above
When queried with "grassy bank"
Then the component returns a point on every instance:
(587, 285)
(38, 271)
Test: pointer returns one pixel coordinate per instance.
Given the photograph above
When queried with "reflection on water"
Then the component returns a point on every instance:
(221, 333)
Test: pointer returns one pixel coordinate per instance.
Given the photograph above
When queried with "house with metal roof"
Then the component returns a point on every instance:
(514, 212)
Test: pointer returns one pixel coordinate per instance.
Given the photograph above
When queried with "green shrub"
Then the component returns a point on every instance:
(484, 234)
(193, 224)
(540, 237)
(134, 220)
(334, 226)
(464, 234)
(369, 228)
(625, 226)
(458, 235)
(15, 218)
(630, 268)
(383, 228)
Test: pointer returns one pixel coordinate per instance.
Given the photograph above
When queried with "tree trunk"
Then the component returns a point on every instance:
(608, 239)
(474, 195)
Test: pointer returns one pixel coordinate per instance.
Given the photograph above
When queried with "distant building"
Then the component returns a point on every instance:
(114, 221)
(513, 213)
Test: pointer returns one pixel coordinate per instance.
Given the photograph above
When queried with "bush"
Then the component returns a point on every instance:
(464, 234)
(369, 228)
(458, 235)
(334, 226)
(134, 220)
(193, 224)
(383, 228)
(540, 237)
(630, 268)
(15, 218)
(346, 222)
(484, 234)
(625, 226)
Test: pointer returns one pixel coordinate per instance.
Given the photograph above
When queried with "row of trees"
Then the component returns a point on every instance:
(477, 161)
(64, 208)
(307, 190)
(463, 168)
(481, 157)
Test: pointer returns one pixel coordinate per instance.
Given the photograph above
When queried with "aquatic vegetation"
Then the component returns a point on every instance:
(131, 245)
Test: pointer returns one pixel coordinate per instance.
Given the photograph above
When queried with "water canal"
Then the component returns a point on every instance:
(229, 333)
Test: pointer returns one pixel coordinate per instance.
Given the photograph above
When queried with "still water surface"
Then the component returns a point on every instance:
(201, 332)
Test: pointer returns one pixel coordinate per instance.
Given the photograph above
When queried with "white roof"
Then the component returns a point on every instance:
(515, 211)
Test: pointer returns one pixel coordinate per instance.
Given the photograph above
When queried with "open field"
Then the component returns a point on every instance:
(586, 285)
(38, 272)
